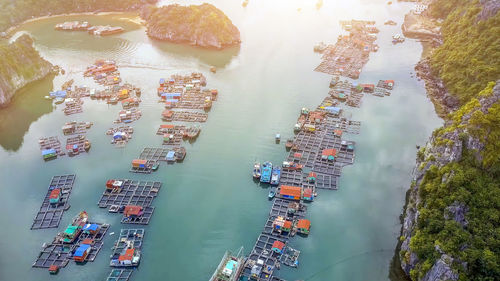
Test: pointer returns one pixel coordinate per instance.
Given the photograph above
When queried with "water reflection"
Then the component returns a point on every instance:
(217, 58)
(26, 107)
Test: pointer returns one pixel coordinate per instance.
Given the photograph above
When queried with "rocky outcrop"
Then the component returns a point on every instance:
(20, 64)
(421, 27)
(490, 8)
(436, 90)
(436, 153)
(199, 25)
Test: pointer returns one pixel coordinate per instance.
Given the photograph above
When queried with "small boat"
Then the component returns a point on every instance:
(155, 166)
(256, 170)
(397, 38)
(213, 69)
(87, 145)
(272, 193)
(266, 172)
(289, 143)
(58, 100)
(278, 138)
(275, 176)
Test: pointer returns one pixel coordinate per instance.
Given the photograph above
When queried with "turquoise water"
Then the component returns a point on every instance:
(209, 203)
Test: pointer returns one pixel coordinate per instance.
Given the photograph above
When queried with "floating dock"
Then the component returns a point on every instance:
(128, 239)
(76, 128)
(51, 143)
(59, 254)
(123, 192)
(76, 145)
(50, 215)
(184, 116)
(119, 274)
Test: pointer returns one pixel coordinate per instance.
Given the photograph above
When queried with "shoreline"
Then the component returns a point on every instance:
(13, 29)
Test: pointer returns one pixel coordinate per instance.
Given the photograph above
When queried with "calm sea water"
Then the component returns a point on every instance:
(209, 203)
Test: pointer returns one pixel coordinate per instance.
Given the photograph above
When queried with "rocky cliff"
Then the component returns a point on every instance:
(199, 25)
(444, 212)
(20, 65)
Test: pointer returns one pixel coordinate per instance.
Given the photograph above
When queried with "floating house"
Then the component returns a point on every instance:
(278, 247)
(114, 185)
(139, 163)
(287, 226)
(311, 177)
(293, 207)
(129, 257)
(55, 196)
(291, 192)
(49, 154)
(82, 252)
(53, 269)
(132, 211)
(368, 88)
(337, 133)
(90, 228)
(170, 156)
(303, 226)
(329, 154)
(308, 194)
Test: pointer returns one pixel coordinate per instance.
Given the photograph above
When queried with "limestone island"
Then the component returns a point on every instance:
(199, 25)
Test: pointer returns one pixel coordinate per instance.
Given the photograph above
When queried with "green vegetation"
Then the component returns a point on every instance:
(203, 25)
(14, 12)
(473, 183)
(20, 64)
(467, 62)
(470, 55)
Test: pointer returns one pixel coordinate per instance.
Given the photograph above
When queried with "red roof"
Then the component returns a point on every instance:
(55, 193)
(304, 224)
(132, 210)
(294, 191)
(129, 253)
(329, 152)
(297, 155)
(167, 126)
(167, 113)
(312, 174)
(338, 132)
(308, 192)
(389, 81)
(278, 245)
(88, 241)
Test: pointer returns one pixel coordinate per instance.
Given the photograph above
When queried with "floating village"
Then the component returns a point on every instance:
(316, 155)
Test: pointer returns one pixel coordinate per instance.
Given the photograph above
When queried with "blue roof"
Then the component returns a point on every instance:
(59, 94)
(91, 227)
(162, 80)
(48, 151)
(333, 109)
(171, 154)
(79, 252)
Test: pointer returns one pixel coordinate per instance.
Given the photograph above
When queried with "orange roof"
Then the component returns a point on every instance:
(129, 253)
(139, 161)
(304, 224)
(338, 132)
(167, 126)
(132, 210)
(278, 244)
(389, 81)
(287, 224)
(294, 191)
